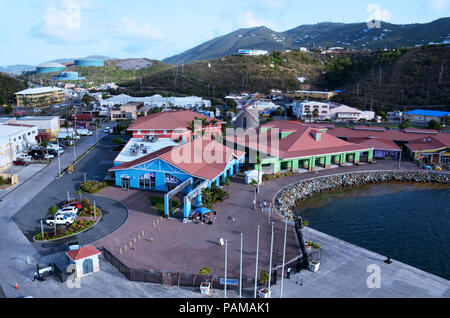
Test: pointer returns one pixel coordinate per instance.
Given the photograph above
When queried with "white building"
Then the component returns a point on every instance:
(21, 137)
(5, 153)
(346, 113)
(253, 52)
(303, 109)
(157, 101)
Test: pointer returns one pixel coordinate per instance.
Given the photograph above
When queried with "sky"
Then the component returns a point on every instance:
(36, 31)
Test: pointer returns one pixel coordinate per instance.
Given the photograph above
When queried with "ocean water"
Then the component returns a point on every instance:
(409, 222)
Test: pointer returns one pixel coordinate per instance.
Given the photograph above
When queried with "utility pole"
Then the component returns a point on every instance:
(240, 267)
(284, 258)
(257, 258)
(271, 258)
(226, 266)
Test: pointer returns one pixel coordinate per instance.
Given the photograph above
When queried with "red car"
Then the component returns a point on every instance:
(21, 162)
(77, 205)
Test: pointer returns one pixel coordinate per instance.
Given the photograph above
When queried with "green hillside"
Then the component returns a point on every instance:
(8, 86)
(114, 71)
(415, 71)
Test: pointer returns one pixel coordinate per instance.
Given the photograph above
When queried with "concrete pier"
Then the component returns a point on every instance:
(344, 274)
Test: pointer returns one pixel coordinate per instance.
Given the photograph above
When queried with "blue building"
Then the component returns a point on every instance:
(89, 62)
(426, 115)
(183, 170)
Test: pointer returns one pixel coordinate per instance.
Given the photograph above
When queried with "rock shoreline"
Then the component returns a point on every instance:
(286, 200)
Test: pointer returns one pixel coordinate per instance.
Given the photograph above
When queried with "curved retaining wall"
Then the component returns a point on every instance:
(287, 198)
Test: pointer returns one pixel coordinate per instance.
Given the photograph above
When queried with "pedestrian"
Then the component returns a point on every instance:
(288, 275)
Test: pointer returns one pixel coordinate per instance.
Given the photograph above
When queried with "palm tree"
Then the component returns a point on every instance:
(316, 114)
(255, 184)
(259, 162)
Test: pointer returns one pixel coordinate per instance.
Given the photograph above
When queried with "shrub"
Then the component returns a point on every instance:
(52, 210)
(93, 187)
(2, 181)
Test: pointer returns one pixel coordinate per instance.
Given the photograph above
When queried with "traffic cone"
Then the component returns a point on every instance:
(17, 286)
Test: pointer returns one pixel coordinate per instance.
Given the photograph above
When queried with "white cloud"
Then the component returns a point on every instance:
(130, 28)
(439, 5)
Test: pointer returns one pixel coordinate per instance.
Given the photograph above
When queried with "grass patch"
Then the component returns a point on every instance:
(159, 204)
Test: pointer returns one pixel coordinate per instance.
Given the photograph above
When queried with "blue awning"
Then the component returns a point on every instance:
(203, 211)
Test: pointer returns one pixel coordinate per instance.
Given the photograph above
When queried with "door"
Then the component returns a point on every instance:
(88, 266)
(126, 183)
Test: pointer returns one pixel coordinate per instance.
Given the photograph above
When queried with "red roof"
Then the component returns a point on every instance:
(167, 120)
(376, 143)
(370, 128)
(203, 158)
(83, 253)
(82, 117)
(437, 142)
(300, 143)
(388, 134)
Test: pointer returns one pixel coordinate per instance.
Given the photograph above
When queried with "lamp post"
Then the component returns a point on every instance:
(226, 266)
(240, 267)
(284, 258)
(271, 257)
(257, 257)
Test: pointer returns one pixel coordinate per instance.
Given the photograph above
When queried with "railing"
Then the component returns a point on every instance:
(170, 279)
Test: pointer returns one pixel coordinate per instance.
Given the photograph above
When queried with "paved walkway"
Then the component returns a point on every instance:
(186, 248)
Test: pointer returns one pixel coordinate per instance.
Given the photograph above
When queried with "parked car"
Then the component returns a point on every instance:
(21, 162)
(84, 132)
(108, 130)
(70, 209)
(77, 205)
(60, 220)
(67, 215)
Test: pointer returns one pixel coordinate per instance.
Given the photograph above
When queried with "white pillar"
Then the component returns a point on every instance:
(257, 257)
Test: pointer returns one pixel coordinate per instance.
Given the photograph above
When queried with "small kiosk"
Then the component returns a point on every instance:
(85, 259)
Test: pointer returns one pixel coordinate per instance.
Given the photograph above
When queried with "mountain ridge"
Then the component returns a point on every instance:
(325, 34)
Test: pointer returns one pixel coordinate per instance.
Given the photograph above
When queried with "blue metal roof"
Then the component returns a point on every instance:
(429, 113)
(203, 211)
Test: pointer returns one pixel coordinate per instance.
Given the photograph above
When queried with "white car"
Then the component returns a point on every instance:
(67, 215)
(107, 130)
(60, 220)
(69, 209)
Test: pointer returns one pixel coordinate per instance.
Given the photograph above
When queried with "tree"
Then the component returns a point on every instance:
(309, 115)
(405, 124)
(264, 278)
(254, 184)
(434, 125)
(316, 114)
(280, 111)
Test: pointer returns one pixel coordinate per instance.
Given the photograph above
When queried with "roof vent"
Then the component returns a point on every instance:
(317, 135)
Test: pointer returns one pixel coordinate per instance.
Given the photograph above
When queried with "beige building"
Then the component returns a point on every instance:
(127, 111)
(40, 97)
(312, 95)
(46, 124)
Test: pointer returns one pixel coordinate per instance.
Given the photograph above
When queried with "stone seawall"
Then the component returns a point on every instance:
(287, 198)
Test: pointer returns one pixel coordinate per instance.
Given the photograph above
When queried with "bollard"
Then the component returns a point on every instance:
(134, 240)
(131, 244)
(126, 248)
(121, 252)
(139, 236)
(143, 233)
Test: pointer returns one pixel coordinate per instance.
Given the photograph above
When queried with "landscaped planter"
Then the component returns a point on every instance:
(314, 266)
(264, 293)
(205, 288)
